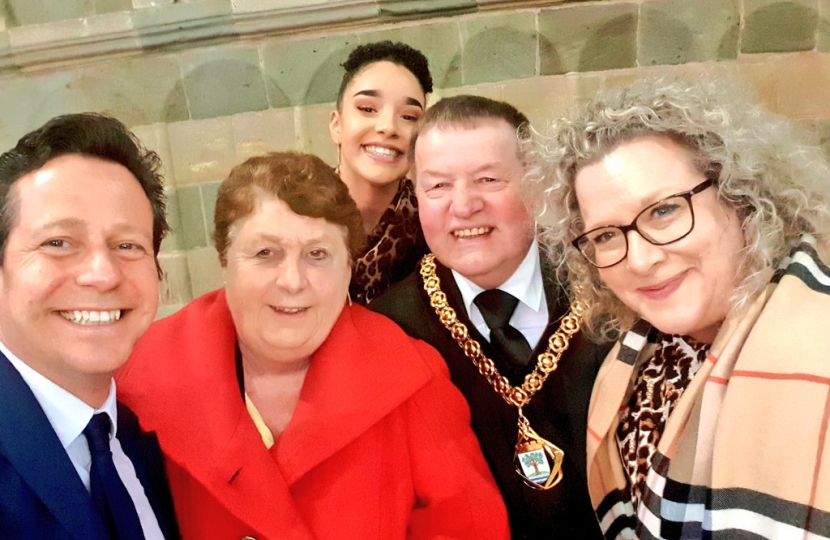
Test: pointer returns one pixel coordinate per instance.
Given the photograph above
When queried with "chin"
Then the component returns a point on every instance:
(383, 182)
(670, 323)
(675, 327)
(105, 356)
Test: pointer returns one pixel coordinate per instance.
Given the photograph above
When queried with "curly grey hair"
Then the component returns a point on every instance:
(778, 185)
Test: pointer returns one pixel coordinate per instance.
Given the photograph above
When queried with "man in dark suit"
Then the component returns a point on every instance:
(467, 167)
(81, 222)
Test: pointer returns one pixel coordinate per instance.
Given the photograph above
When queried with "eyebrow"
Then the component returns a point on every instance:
(65, 223)
(271, 237)
(76, 223)
(376, 93)
(646, 201)
(487, 167)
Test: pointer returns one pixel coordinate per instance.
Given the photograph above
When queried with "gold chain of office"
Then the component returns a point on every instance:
(546, 364)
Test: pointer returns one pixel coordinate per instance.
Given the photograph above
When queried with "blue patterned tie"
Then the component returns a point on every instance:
(108, 492)
(497, 307)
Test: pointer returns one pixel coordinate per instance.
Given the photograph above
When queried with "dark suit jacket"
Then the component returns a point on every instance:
(557, 413)
(41, 495)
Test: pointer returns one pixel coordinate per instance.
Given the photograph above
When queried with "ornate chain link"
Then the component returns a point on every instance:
(546, 364)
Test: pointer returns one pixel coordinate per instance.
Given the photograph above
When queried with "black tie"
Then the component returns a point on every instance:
(497, 307)
(108, 492)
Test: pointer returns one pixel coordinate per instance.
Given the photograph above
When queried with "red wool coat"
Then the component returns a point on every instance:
(379, 446)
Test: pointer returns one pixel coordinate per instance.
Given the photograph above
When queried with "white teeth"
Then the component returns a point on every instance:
(89, 318)
(468, 233)
(289, 310)
(381, 151)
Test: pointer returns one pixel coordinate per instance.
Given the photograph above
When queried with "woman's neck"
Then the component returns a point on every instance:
(372, 199)
(274, 388)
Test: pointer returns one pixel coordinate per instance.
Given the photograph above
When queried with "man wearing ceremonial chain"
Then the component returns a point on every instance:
(487, 300)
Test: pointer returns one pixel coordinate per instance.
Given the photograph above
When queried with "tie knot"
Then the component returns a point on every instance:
(97, 434)
(496, 307)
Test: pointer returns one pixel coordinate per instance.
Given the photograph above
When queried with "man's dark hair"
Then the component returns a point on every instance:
(86, 134)
(466, 111)
(397, 53)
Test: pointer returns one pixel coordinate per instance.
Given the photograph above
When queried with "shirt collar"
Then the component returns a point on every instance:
(525, 283)
(67, 414)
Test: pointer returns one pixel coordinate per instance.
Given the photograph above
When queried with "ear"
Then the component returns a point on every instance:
(334, 126)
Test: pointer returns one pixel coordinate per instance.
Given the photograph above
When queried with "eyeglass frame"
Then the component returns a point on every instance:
(687, 195)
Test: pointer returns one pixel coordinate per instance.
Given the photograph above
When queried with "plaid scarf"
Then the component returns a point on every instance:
(742, 454)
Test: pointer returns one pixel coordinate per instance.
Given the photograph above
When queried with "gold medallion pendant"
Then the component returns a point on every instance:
(537, 461)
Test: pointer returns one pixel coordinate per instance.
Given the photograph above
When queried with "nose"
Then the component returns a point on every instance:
(642, 254)
(100, 269)
(465, 200)
(292, 276)
(387, 122)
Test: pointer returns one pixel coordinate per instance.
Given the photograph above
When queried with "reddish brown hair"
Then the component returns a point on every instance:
(302, 181)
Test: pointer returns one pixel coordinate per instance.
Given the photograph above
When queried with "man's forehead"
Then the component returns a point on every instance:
(60, 189)
(498, 145)
(67, 169)
(472, 123)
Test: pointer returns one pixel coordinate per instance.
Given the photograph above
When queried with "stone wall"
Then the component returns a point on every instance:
(208, 83)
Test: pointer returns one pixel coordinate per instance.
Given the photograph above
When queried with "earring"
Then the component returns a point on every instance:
(337, 169)
(349, 298)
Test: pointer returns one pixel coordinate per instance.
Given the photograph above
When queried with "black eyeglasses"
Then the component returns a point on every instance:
(666, 221)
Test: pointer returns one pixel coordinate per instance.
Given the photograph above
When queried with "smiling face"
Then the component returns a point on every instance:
(471, 211)
(374, 124)
(680, 288)
(78, 283)
(287, 277)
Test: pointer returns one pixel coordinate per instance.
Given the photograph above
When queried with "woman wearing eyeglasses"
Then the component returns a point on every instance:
(693, 226)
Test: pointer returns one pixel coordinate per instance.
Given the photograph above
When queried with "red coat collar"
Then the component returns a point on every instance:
(181, 381)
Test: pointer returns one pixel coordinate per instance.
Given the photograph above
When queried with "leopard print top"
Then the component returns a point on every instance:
(658, 386)
(393, 248)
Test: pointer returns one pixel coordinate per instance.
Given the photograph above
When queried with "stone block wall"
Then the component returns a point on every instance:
(208, 83)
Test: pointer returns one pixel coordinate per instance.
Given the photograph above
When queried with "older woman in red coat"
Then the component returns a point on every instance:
(285, 413)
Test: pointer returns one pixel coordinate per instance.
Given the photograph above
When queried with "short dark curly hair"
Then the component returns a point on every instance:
(395, 52)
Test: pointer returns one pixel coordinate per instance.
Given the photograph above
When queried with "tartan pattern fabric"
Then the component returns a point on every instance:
(745, 453)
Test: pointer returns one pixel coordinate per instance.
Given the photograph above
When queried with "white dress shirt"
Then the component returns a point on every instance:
(531, 314)
(69, 416)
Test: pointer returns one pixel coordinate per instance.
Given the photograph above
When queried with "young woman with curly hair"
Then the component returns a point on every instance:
(381, 98)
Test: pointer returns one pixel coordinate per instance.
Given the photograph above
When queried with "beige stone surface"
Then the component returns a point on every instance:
(205, 271)
(154, 137)
(314, 132)
(175, 282)
(202, 150)
(803, 82)
(259, 132)
(148, 67)
(540, 98)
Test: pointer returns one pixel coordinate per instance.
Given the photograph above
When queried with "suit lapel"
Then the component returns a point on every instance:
(145, 455)
(31, 446)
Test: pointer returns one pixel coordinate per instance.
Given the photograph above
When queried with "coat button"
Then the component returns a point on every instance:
(247, 538)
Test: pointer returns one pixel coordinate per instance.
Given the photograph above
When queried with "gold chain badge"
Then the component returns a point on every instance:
(537, 461)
